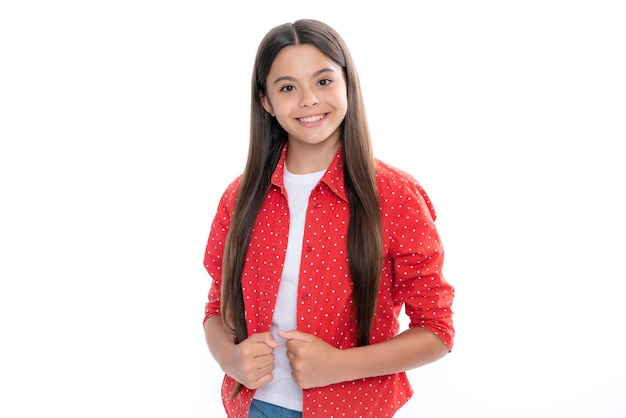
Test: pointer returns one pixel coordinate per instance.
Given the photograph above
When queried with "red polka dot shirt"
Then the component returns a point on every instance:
(411, 277)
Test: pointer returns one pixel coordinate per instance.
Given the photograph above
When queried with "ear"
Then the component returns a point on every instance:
(267, 105)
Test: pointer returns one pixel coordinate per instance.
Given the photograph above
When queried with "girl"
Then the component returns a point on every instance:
(317, 246)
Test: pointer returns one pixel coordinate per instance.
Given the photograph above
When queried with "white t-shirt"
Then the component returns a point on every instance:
(282, 390)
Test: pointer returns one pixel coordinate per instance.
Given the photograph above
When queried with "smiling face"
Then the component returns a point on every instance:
(307, 94)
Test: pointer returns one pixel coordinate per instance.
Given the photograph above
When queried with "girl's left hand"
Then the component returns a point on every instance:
(314, 363)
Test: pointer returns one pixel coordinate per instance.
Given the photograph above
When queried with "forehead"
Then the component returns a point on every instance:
(300, 60)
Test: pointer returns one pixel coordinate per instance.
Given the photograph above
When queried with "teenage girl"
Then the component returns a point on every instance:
(316, 248)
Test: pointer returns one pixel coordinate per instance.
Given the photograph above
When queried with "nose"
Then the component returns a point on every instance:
(308, 98)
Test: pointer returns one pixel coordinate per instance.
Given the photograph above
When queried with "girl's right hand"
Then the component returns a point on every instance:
(251, 362)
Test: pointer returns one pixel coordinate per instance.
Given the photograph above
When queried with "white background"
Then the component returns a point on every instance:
(122, 122)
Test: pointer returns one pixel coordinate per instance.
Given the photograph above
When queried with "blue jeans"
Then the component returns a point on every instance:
(260, 409)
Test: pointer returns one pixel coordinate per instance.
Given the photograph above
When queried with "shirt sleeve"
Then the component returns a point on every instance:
(214, 252)
(418, 261)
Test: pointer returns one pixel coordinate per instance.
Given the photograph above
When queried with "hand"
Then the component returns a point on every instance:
(314, 363)
(251, 362)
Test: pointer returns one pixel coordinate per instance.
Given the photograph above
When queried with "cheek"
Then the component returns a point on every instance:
(341, 99)
(280, 106)
(282, 115)
(342, 105)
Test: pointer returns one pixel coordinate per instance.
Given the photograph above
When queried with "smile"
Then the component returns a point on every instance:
(310, 119)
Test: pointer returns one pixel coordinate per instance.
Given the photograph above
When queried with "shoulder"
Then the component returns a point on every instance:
(230, 193)
(395, 184)
(388, 173)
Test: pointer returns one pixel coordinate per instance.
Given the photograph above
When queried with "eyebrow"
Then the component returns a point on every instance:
(315, 74)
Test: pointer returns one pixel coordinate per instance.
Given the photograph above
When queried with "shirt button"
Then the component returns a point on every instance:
(306, 296)
(317, 205)
(309, 248)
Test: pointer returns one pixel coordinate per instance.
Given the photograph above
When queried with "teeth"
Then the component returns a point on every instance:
(312, 119)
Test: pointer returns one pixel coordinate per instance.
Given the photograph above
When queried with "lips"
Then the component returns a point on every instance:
(311, 119)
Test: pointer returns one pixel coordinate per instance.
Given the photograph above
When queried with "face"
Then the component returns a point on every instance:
(307, 94)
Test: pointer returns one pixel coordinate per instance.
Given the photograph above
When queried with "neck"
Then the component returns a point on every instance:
(305, 159)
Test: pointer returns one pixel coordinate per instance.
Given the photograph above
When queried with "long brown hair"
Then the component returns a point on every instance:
(267, 139)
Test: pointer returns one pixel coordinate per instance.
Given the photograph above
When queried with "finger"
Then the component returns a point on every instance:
(263, 361)
(266, 338)
(262, 381)
(261, 344)
(260, 378)
(267, 366)
(269, 340)
(293, 335)
(257, 370)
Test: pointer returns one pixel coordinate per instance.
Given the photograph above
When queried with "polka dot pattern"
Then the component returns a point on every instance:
(411, 278)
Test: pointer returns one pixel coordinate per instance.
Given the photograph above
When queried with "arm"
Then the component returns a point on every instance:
(250, 362)
(416, 259)
(413, 348)
(315, 363)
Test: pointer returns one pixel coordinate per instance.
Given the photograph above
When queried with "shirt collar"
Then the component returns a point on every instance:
(333, 177)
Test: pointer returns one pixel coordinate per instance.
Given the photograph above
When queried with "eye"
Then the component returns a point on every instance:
(287, 88)
(324, 82)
